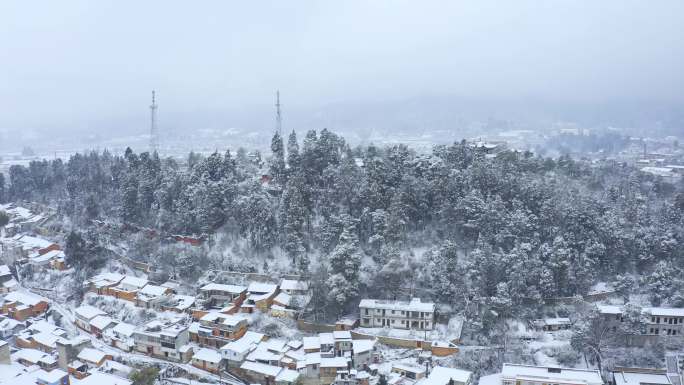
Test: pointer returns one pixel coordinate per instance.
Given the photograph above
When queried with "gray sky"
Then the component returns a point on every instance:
(91, 64)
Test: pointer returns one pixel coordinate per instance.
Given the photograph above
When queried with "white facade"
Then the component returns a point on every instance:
(414, 315)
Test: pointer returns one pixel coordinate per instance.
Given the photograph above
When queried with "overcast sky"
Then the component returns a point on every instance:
(86, 64)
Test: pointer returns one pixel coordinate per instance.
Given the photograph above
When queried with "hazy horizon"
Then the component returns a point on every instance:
(88, 67)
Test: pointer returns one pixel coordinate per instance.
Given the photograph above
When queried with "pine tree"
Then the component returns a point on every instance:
(277, 161)
(345, 261)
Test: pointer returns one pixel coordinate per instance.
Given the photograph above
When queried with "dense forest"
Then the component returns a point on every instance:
(454, 225)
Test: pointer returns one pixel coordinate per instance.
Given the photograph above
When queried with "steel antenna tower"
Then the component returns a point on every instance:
(154, 134)
(279, 117)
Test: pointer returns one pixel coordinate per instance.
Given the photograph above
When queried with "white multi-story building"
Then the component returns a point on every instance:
(660, 321)
(512, 374)
(414, 314)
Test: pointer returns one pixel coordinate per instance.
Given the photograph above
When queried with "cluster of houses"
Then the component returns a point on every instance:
(283, 300)
(43, 354)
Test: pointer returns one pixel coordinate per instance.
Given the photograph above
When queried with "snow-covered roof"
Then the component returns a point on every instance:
(10, 284)
(551, 375)
(101, 322)
(263, 354)
(362, 346)
(441, 375)
(233, 289)
(342, 335)
(183, 302)
(31, 355)
(636, 378)
(665, 311)
(313, 358)
(326, 338)
(491, 379)
(105, 279)
(91, 355)
(656, 311)
(134, 282)
(311, 343)
(283, 298)
(153, 290)
(208, 355)
(24, 298)
(287, 375)
(99, 378)
(50, 255)
(260, 287)
(51, 377)
(124, 329)
(414, 305)
(4, 270)
(334, 362)
(88, 312)
(243, 344)
(274, 344)
(294, 285)
(557, 321)
(46, 339)
(28, 242)
(408, 368)
(44, 326)
(8, 323)
(268, 370)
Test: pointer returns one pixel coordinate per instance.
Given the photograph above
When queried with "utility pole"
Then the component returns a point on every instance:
(279, 117)
(154, 135)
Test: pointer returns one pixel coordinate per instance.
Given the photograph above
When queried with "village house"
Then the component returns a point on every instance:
(216, 329)
(152, 296)
(178, 303)
(415, 315)
(53, 377)
(414, 372)
(21, 306)
(660, 321)
(99, 378)
(552, 324)
(207, 359)
(331, 365)
(347, 323)
(352, 377)
(440, 375)
(48, 259)
(512, 374)
(364, 354)
(120, 336)
(283, 306)
(128, 288)
(29, 244)
(29, 357)
(9, 327)
(294, 287)
(260, 296)
(93, 358)
(101, 283)
(216, 295)
(640, 376)
(7, 281)
(268, 374)
(100, 323)
(86, 313)
(235, 352)
(162, 341)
